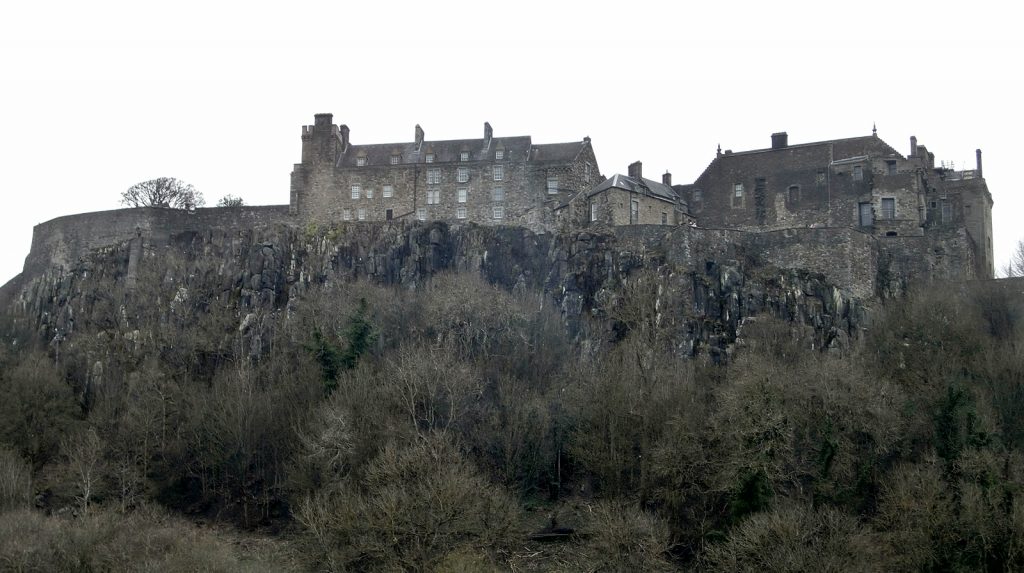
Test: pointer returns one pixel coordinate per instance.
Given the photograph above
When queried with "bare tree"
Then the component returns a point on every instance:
(1015, 268)
(163, 192)
(230, 200)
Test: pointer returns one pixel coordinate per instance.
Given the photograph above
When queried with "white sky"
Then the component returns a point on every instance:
(96, 96)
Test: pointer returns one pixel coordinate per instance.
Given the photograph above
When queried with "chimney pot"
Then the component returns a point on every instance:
(977, 154)
(780, 140)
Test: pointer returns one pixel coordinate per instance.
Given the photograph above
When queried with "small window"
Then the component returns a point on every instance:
(433, 176)
(698, 195)
(890, 167)
(888, 208)
(593, 212)
(499, 172)
(360, 161)
(499, 212)
(865, 214)
(433, 196)
(499, 154)
(355, 191)
(421, 213)
(858, 173)
(947, 212)
(820, 179)
(389, 191)
(794, 194)
(463, 174)
(664, 218)
(464, 156)
(429, 159)
(395, 159)
(498, 194)
(737, 195)
(346, 215)
(634, 211)
(369, 193)
(552, 185)
(361, 213)
(463, 195)
(389, 214)
(586, 171)
(460, 212)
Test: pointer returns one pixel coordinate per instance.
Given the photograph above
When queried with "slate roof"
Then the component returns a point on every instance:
(642, 186)
(449, 151)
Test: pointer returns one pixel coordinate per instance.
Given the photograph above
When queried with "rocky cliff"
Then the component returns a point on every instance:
(703, 284)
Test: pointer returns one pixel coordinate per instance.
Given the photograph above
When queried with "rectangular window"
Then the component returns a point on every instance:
(355, 191)
(429, 159)
(858, 173)
(865, 214)
(820, 179)
(360, 161)
(888, 208)
(499, 172)
(890, 167)
(499, 154)
(463, 174)
(433, 196)
(593, 212)
(464, 156)
(369, 193)
(499, 211)
(698, 195)
(737, 195)
(389, 191)
(498, 194)
(421, 213)
(346, 215)
(361, 213)
(586, 171)
(433, 176)
(463, 195)
(634, 211)
(395, 159)
(794, 193)
(664, 218)
(947, 212)
(460, 212)
(552, 185)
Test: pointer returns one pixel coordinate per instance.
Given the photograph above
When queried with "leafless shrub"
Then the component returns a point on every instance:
(15, 480)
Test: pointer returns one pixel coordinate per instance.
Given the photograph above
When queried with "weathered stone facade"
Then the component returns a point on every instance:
(493, 180)
(860, 183)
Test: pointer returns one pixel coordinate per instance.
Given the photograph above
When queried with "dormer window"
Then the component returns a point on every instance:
(430, 158)
(464, 156)
(499, 154)
(395, 159)
(360, 161)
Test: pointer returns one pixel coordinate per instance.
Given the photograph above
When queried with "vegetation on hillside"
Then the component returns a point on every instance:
(454, 427)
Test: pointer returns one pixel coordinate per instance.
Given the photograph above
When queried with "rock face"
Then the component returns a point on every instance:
(704, 284)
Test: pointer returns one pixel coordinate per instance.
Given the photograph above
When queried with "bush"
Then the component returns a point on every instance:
(15, 481)
(38, 409)
(624, 538)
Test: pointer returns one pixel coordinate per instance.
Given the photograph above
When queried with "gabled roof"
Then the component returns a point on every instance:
(642, 186)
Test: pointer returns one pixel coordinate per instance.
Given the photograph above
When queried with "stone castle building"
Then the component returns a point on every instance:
(500, 180)
(859, 182)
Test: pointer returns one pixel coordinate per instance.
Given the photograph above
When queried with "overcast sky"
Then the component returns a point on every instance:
(97, 96)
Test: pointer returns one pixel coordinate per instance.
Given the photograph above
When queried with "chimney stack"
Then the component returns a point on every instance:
(344, 138)
(323, 121)
(977, 154)
(780, 140)
(488, 133)
(419, 136)
(667, 179)
(913, 145)
(636, 170)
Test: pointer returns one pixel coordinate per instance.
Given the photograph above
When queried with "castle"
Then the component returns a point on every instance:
(858, 183)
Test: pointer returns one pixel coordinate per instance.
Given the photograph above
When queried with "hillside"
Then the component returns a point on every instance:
(460, 397)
